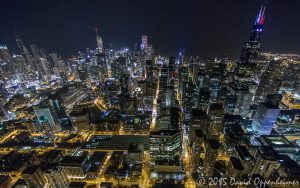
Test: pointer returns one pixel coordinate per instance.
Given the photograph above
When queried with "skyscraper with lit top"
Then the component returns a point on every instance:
(247, 63)
(251, 48)
(99, 42)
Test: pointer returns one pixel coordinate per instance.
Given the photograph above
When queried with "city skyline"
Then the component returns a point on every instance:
(116, 116)
(208, 28)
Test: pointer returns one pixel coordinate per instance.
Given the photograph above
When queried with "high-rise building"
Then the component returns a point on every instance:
(244, 74)
(164, 77)
(214, 87)
(99, 42)
(165, 145)
(24, 51)
(135, 154)
(172, 61)
(265, 118)
(251, 48)
(125, 82)
(188, 93)
(144, 44)
(230, 103)
(267, 162)
(80, 120)
(243, 103)
(119, 67)
(55, 175)
(48, 119)
(165, 155)
(270, 80)
(245, 157)
(83, 74)
(149, 71)
(33, 177)
(216, 116)
(211, 154)
(75, 166)
(204, 96)
(35, 51)
(45, 68)
(235, 168)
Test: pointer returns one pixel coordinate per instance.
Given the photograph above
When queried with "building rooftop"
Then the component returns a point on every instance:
(77, 184)
(274, 140)
(164, 133)
(72, 160)
(109, 142)
(50, 167)
(243, 153)
(236, 163)
(134, 147)
(292, 168)
(268, 153)
(31, 169)
(214, 144)
(198, 113)
(51, 155)
(199, 133)
(269, 105)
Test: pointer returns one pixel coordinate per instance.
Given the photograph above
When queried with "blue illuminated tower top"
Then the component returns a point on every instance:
(258, 25)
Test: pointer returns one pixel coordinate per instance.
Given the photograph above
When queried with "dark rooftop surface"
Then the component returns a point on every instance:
(108, 142)
(214, 144)
(243, 153)
(72, 160)
(50, 167)
(198, 132)
(269, 105)
(196, 113)
(52, 154)
(292, 168)
(236, 163)
(13, 161)
(164, 133)
(30, 169)
(269, 153)
(77, 184)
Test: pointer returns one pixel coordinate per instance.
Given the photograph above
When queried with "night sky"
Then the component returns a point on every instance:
(207, 28)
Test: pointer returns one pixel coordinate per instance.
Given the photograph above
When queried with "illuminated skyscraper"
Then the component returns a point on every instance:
(99, 42)
(33, 177)
(55, 175)
(270, 80)
(144, 44)
(165, 154)
(149, 71)
(243, 103)
(48, 119)
(25, 52)
(267, 162)
(211, 154)
(251, 48)
(172, 61)
(45, 68)
(245, 68)
(265, 118)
